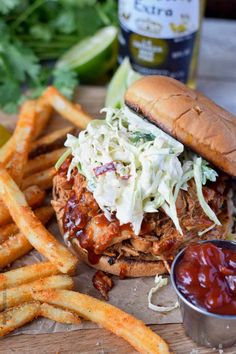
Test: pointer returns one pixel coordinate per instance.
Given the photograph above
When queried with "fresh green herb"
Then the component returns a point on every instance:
(138, 136)
(8, 5)
(38, 31)
(65, 81)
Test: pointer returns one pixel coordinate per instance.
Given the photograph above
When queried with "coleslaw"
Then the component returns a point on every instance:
(160, 282)
(132, 167)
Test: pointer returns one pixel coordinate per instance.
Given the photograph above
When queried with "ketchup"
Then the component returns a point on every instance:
(206, 276)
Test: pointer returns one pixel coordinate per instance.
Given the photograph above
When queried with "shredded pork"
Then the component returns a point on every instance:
(103, 283)
(158, 238)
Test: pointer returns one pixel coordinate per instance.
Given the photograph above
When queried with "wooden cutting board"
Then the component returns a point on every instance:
(98, 340)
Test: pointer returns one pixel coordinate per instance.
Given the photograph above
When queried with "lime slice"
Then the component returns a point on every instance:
(93, 56)
(121, 80)
(4, 135)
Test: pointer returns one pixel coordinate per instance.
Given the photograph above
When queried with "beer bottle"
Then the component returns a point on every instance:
(161, 37)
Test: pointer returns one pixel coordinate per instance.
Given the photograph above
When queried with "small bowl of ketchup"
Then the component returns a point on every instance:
(204, 278)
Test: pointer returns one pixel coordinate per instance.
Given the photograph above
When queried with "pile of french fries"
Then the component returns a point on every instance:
(45, 289)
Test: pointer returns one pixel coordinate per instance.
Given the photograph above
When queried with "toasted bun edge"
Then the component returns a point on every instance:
(188, 116)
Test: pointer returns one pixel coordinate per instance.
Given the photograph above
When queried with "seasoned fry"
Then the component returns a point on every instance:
(16, 161)
(72, 112)
(43, 162)
(18, 316)
(27, 274)
(110, 317)
(11, 229)
(44, 214)
(32, 228)
(13, 248)
(50, 142)
(43, 114)
(23, 293)
(6, 150)
(58, 314)
(34, 197)
(7, 230)
(18, 245)
(42, 179)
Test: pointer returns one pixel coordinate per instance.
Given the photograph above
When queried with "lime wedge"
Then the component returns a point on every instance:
(93, 56)
(121, 80)
(4, 135)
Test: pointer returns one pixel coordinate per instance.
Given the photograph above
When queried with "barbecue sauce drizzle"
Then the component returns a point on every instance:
(74, 222)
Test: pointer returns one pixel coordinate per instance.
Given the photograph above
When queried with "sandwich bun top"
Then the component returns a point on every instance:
(188, 116)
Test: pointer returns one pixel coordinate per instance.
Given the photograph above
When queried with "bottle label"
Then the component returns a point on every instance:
(159, 35)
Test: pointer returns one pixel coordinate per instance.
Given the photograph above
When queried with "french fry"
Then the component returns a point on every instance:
(14, 248)
(50, 142)
(27, 274)
(41, 179)
(34, 197)
(7, 231)
(18, 245)
(16, 161)
(18, 316)
(6, 150)
(58, 314)
(43, 114)
(11, 229)
(32, 228)
(110, 317)
(72, 112)
(23, 293)
(43, 162)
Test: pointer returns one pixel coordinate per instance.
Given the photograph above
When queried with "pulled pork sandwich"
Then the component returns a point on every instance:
(152, 177)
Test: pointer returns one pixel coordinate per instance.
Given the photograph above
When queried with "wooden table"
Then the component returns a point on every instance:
(217, 79)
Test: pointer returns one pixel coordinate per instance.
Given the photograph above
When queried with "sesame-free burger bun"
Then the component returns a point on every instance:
(188, 116)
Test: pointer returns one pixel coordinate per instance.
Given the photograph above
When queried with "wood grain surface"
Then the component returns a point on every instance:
(99, 341)
(217, 79)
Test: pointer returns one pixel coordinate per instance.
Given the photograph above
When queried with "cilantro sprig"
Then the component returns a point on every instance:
(38, 32)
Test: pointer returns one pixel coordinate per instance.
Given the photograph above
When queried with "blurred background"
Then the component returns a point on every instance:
(221, 9)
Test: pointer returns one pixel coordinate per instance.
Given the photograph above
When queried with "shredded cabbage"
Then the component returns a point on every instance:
(197, 169)
(160, 282)
(201, 233)
(150, 167)
(62, 158)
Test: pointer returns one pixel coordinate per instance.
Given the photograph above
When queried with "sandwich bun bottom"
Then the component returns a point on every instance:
(126, 267)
